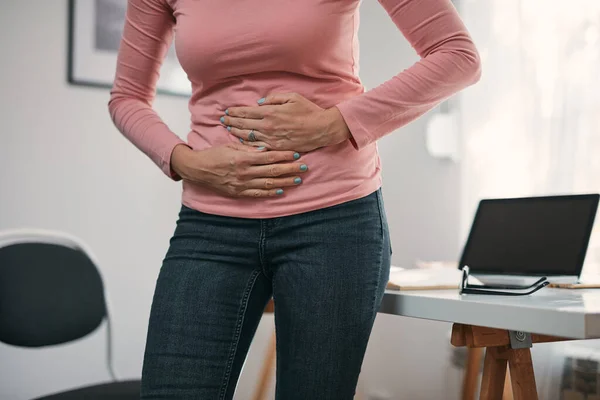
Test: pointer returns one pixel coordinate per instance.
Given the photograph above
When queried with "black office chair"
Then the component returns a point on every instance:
(51, 293)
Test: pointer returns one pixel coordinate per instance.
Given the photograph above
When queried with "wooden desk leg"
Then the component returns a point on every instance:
(499, 345)
(494, 373)
(508, 395)
(521, 374)
(471, 377)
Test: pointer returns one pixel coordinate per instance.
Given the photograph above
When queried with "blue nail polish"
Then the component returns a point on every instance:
(260, 148)
(296, 156)
(279, 192)
(262, 100)
(298, 181)
(229, 128)
(241, 140)
(222, 120)
(303, 167)
(227, 112)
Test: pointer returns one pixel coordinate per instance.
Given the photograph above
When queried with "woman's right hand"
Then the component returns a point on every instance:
(239, 171)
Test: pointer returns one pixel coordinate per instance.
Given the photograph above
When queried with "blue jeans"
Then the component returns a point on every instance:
(326, 271)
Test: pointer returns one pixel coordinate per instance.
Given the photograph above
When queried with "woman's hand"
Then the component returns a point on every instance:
(287, 122)
(239, 171)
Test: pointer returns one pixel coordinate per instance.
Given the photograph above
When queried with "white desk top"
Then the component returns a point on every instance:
(559, 312)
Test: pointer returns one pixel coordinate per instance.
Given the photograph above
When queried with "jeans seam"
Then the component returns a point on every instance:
(237, 334)
(261, 246)
(373, 306)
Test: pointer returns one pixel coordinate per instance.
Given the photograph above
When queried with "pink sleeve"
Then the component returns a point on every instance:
(449, 62)
(146, 39)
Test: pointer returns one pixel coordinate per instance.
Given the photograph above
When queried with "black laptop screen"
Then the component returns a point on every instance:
(531, 236)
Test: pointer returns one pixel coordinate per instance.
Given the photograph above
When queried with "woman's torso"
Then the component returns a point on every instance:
(238, 52)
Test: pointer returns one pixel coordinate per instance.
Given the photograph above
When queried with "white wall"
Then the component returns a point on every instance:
(63, 166)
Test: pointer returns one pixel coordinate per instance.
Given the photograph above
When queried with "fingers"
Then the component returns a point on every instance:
(270, 157)
(262, 110)
(244, 134)
(254, 112)
(278, 98)
(255, 144)
(274, 183)
(258, 193)
(276, 170)
(242, 123)
(249, 149)
(267, 187)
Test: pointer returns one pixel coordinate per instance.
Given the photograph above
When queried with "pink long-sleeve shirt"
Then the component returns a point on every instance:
(235, 53)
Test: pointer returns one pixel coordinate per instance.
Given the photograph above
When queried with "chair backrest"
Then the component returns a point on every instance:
(51, 291)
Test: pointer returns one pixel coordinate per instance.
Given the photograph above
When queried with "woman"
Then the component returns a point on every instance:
(281, 181)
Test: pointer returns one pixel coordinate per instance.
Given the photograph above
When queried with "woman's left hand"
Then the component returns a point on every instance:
(287, 122)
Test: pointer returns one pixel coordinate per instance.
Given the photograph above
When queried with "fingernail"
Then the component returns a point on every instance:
(222, 120)
(303, 167)
(262, 100)
(241, 140)
(279, 192)
(296, 156)
(227, 112)
(260, 148)
(229, 128)
(298, 181)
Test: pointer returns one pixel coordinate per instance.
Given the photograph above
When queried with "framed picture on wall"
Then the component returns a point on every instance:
(95, 28)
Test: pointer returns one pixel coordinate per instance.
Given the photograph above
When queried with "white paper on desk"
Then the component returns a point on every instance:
(426, 278)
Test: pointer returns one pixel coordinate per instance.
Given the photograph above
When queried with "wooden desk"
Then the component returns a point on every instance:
(506, 327)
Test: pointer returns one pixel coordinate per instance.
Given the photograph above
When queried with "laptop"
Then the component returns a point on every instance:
(516, 241)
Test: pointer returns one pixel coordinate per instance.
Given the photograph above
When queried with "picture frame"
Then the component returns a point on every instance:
(95, 28)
